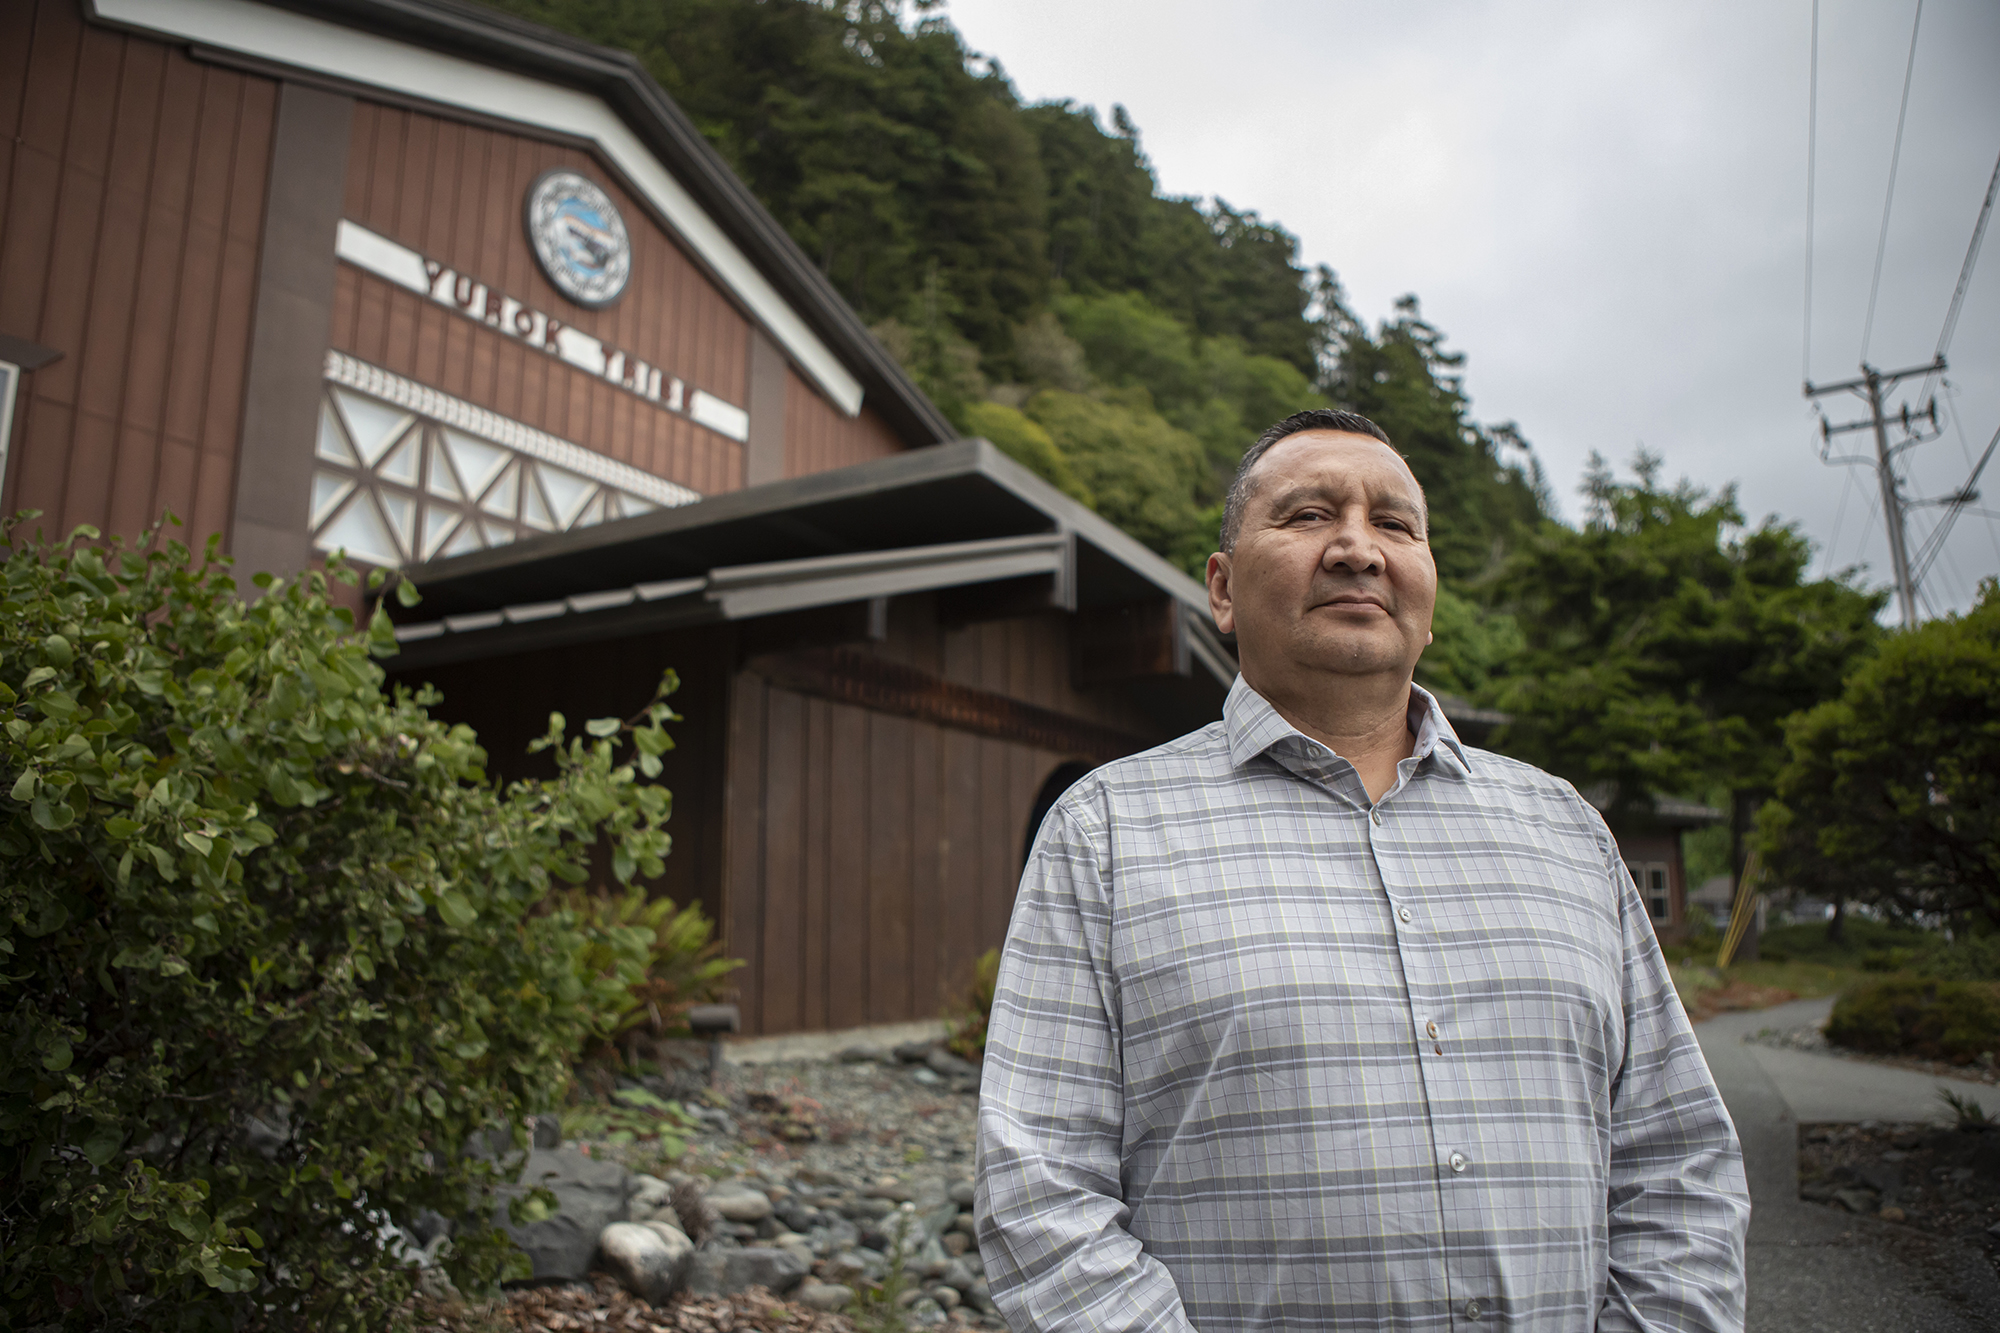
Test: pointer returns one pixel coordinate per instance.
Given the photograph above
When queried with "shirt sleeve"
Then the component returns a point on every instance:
(1679, 1204)
(1051, 1208)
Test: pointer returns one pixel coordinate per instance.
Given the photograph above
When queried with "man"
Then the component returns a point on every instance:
(1317, 1019)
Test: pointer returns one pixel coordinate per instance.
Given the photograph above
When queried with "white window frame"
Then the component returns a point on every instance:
(10, 385)
(1642, 875)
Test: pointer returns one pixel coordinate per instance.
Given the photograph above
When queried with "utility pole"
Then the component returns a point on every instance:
(1871, 386)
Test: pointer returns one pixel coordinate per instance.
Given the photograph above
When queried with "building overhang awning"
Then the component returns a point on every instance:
(956, 516)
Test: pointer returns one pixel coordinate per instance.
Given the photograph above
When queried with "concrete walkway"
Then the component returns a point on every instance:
(1813, 1269)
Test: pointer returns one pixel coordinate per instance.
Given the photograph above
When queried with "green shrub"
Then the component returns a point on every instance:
(1920, 1016)
(683, 966)
(966, 1018)
(1807, 942)
(273, 950)
(1968, 958)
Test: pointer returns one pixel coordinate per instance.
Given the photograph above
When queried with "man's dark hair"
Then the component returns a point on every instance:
(1316, 418)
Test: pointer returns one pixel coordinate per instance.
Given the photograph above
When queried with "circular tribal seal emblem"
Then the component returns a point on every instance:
(579, 238)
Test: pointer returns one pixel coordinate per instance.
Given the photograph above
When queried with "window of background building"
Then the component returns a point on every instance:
(1651, 878)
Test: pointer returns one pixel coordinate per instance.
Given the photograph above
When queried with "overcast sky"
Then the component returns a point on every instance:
(1604, 207)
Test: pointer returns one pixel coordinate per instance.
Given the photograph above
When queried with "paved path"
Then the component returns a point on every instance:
(1813, 1269)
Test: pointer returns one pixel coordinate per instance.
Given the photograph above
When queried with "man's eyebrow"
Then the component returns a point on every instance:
(1295, 495)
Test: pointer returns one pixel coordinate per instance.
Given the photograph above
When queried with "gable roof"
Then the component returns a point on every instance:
(456, 54)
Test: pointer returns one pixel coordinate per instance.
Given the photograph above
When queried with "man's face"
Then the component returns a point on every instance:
(1332, 571)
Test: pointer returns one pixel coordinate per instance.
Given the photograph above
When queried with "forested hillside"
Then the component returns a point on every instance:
(1021, 261)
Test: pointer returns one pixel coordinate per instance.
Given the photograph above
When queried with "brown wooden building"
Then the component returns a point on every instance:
(471, 299)
(465, 297)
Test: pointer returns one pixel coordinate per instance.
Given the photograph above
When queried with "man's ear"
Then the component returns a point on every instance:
(1220, 604)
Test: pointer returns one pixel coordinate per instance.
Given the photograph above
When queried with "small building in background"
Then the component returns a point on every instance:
(1649, 835)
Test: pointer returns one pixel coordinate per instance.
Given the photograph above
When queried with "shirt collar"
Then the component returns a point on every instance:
(1253, 727)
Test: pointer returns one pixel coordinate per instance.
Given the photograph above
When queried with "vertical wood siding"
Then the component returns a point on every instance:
(819, 436)
(454, 192)
(507, 700)
(871, 858)
(132, 185)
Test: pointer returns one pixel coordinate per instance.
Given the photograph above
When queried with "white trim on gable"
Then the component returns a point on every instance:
(363, 58)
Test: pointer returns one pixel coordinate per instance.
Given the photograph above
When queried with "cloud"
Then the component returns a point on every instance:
(1602, 205)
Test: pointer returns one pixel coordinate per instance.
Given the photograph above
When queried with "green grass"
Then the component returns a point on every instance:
(1807, 941)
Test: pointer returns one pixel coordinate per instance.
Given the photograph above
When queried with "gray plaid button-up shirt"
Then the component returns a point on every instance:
(1267, 1056)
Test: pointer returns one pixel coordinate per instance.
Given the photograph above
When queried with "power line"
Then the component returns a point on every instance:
(1971, 258)
(1812, 172)
(1889, 199)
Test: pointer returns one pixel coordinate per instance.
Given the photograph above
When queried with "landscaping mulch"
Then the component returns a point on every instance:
(604, 1307)
(1736, 995)
(1935, 1179)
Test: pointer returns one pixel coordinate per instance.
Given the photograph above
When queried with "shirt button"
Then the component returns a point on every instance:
(1376, 815)
(1431, 1029)
(1403, 915)
(1456, 1162)
(1472, 1309)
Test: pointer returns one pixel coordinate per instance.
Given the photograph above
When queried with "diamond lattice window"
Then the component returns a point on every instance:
(395, 488)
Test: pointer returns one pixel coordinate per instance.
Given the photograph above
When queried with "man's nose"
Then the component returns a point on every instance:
(1352, 545)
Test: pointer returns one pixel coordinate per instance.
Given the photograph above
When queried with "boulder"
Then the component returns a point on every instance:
(590, 1196)
(720, 1272)
(913, 1052)
(649, 1260)
(735, 1201)
(958, 1275)
(674, 1239)
(961, 1193)
(824, 1295)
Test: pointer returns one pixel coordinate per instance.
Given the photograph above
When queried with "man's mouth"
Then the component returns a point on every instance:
(1354, 600)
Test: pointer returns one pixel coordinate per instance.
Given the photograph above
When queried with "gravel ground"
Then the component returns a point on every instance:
(857, 1137)
(866, 1121)
(1938, 1180)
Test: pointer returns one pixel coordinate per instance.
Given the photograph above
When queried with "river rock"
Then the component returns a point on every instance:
(651, 1198)
(720, 1272)
(648, 1259)
(824, 1295)
(737, 1202)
